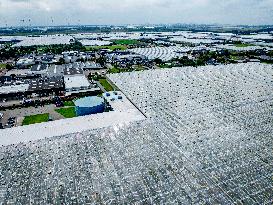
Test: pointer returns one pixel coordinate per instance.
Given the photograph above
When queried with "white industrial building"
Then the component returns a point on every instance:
(14, 88)
(75, 81)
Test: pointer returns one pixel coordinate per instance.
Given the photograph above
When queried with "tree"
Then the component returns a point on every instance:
(61, 61)
(101, 60)
(185, 61)
(9, 67)
(158, 61)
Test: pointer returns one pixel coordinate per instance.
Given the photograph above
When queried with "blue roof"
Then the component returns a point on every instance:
(89, 102)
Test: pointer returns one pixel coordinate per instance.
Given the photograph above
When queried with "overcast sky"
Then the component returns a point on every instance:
(64, 12)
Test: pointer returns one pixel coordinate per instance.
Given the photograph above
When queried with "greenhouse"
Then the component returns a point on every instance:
(207, 139)
(165, 53)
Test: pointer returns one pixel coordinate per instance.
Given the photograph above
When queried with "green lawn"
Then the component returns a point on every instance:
(234, 57)
(2, 66)
(164, 66)
(126, 42)
(119, 47)
(114, 70)
(242, 45)
(69, 103)
(67, 112)
(106, 85)
(33, 119)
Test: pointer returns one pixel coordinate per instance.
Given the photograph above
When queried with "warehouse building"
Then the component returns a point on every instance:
(26, 88)
(38, 69)
(76, 82)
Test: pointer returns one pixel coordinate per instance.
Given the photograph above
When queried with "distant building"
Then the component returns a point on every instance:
(92, 66)
(129, 58)
(16, 89)
(266, 58)
(38, 69)
(124, 57)
(55, 70)
(73, 56)
(24, 62)
(76, 82)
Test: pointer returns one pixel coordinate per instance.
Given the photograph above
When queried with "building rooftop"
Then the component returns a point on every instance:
(46, 83)
(72, 70)
(14, 88)
(55, 70)
(78, 81)
(38, 68)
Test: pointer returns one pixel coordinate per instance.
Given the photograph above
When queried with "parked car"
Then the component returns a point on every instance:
(11, 120)
(26, 101)
(58, 102)
(1, 115)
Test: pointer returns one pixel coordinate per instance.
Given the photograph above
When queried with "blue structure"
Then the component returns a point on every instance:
(89, 105)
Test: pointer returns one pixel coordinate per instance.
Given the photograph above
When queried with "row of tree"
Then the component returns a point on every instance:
(9, 52)
(212, 57)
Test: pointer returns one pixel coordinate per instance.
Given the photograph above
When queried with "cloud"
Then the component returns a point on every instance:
(41, 12)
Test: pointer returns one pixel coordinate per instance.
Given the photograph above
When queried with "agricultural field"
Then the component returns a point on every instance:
(126, 42)
(113, 47)
(243, 45)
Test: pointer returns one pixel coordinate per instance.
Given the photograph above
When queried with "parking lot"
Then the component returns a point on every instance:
(18, 115)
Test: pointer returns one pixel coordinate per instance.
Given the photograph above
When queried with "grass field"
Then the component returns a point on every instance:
(114, 70)
(67, 112)
(164, 66)
(33, 119)
(234, 57)
(242, 45)
(69, 103)
(2, 66)
(119, 47)
(106, 85)
(126, 42)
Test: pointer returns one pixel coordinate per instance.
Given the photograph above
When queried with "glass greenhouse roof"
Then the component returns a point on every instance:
(207, 140)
